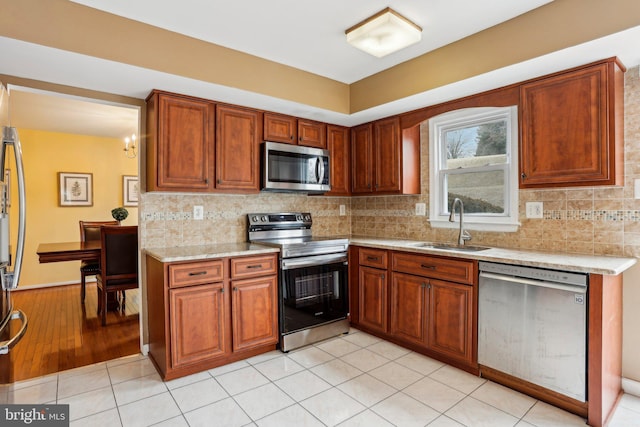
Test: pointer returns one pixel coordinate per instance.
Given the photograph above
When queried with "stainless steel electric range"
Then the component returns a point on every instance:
(313, 282)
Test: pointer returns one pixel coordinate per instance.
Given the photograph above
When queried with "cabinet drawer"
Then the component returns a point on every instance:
(253, 266)
(196, 273)
(376, 258)
(455, 270)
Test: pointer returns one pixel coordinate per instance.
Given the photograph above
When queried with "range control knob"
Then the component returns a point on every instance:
(254, 218)
(307, 217)
(264, 218)
(298, 217)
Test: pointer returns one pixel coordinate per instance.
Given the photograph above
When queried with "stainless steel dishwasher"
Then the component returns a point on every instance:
(532, 324)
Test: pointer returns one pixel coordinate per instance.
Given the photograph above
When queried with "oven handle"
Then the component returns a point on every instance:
(310, 261)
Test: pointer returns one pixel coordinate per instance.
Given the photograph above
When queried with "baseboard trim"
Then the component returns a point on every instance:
(630, 386)
(50, 285)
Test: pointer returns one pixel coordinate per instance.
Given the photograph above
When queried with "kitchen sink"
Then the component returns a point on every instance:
(449, 247)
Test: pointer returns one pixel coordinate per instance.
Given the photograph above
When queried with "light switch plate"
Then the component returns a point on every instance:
(534, 210)
(421, 209)
(343, 210)
(198, 212)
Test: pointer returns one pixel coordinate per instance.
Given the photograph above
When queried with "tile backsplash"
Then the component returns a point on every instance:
(585, 220)
(167, 219)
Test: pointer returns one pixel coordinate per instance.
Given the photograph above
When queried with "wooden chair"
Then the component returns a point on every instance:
(90, 231)
(119, 263)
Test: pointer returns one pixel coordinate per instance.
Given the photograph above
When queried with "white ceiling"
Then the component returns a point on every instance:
(302, 34)
(309, 35)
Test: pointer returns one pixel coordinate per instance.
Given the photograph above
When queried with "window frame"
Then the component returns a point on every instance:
(438, 203)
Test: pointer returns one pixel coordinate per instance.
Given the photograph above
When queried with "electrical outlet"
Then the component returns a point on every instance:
(534, 210)
(636, 188)
(198, 212)
(421, 209)
(343, 210)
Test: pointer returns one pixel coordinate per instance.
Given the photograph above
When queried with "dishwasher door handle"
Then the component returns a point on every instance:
(540, 283)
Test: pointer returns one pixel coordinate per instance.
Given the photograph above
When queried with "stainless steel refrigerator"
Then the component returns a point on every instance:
(13, 322)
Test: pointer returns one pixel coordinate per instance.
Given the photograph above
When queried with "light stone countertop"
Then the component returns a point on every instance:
(195, 253)
(606, 265)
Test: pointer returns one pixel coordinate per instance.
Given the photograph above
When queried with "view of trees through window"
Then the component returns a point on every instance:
(470, 152)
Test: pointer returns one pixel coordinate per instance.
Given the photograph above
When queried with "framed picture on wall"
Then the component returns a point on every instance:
(75, 189)
(129, 190)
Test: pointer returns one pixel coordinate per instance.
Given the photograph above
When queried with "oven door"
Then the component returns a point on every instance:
(313, 291)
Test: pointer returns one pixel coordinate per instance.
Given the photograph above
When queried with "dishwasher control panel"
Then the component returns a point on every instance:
(542, 274)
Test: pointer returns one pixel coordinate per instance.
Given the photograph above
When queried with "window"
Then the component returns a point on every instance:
(473, 156)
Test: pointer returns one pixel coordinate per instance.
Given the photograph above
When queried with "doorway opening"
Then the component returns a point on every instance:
(60, 134)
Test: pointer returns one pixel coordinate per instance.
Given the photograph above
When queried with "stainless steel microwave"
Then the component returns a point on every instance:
(293, 168)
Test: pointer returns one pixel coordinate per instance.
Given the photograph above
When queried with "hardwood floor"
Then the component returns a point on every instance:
(64, 334)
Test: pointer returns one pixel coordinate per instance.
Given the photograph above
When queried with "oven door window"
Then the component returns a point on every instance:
(313, 295)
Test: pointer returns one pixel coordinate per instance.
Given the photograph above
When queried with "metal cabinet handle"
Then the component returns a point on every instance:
(197, 273)
(382, 276)
(428, 267)
(254, 266)
(523, 175)
(235, 289)
(373, 258)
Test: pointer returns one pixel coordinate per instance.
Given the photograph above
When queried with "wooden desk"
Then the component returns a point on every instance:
(69, 251)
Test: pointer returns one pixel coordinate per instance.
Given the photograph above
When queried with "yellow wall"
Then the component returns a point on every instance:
(45, 154)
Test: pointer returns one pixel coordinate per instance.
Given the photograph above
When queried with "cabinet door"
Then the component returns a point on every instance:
(408, 301)
(238, 132)
(254, 312)
(199, 329)
(280, 128)
(180, 154)
(450, 319)
(362, 159)
(387, 157)
(339, 146)
(312, 134)
(566, 137)
(373, 302)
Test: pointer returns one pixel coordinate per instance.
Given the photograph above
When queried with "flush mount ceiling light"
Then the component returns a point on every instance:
(385, 32)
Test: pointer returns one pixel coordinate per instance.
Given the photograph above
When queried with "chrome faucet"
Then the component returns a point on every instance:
(463, 235)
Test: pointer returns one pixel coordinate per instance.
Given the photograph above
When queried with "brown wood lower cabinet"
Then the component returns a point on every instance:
(450, 319)
(199, 327)
(200, 317)
(408, 307)
(428, 303)
(373, 299)
(253, 302)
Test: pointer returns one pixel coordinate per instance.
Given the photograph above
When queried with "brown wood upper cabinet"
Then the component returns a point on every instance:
(571, 127)
(312, 134)
(238, 132)
(280, 128)
(385, 160)
(339, 146)
(180, 154)
(291, 130)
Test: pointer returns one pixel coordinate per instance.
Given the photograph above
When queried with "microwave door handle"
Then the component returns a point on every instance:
(320, 169)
